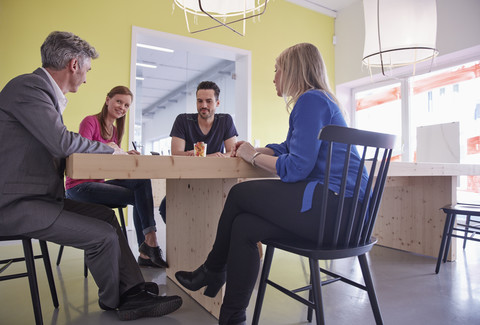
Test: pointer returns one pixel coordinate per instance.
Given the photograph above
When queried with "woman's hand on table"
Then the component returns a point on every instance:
(258, 157)
(233, 152)
(244, 150)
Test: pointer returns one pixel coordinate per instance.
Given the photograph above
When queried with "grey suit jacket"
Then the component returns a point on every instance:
(34, 143)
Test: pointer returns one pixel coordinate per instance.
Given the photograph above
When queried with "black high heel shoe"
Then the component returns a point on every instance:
(200, 278)
(232, 316)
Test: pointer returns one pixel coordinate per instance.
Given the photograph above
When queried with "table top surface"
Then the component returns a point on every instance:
(98, 166)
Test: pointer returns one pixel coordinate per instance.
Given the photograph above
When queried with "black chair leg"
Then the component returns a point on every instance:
(32, 279)
(449, 237)
(85, 268)
(367, 277)
(310, 297)
(317, 291)
(467, 227)
(122, 222)
(60, 253)
(48, 270)
(267, 263)
(446, 230)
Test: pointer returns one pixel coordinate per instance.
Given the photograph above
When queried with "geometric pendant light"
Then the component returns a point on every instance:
(223, 12)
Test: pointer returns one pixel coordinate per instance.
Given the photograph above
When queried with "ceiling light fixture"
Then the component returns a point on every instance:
(156, 48)
(145, 65)
(399, 33)
(140, 78)
(221, 10)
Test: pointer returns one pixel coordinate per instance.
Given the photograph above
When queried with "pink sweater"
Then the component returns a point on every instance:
(90, 129)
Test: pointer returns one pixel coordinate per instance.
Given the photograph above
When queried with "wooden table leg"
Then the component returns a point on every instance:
(410, 218)
(193, 209)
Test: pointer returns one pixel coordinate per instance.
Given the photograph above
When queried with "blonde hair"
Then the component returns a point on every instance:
(302, 69)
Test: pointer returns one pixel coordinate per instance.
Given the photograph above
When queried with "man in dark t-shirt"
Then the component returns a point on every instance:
(186, 132)
(216, 130)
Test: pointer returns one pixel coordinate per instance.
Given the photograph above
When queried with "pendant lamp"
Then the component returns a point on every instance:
(399, 33)
(221, 11)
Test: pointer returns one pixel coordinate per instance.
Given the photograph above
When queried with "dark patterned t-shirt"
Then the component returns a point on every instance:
(186, 127)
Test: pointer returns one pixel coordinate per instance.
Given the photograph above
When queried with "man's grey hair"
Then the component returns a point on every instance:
(60, 47)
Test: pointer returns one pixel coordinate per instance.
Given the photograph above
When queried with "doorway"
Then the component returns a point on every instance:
(164, 73)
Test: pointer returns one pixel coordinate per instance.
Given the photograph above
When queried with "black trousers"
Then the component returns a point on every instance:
(253, 211)
(95, 229)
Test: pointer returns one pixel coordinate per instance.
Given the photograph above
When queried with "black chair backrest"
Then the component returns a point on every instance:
(353, 224)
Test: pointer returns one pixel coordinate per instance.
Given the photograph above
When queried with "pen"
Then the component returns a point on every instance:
(134, 146)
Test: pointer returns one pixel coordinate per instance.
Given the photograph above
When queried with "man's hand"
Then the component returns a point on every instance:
(133, 152)
(118, 150)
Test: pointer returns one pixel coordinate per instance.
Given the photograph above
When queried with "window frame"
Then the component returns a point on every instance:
(402, 75)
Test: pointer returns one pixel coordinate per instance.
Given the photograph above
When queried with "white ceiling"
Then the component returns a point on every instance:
(327, 7)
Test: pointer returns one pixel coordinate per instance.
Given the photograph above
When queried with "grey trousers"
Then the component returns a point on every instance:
(95, 229)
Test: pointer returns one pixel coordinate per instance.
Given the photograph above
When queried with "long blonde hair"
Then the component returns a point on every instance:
(120, 122)
(302, 69)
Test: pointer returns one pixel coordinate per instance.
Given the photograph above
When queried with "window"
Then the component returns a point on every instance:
(168, 85)
(436, 117)
(379, 110)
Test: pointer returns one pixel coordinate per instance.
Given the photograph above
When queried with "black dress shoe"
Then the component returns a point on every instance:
(145, 304)
(146, 262)
(200, 278)
(152, 287)
(104, 307)
(155, 254)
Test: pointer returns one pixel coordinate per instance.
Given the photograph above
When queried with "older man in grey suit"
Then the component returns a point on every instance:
(35, 143)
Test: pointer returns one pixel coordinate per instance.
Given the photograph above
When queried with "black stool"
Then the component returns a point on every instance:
(29, 259)
(124, 228)
(470, 228)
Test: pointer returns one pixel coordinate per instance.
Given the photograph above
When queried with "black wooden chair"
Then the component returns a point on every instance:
(470, 228)
(29, 259)
(348, 240)
(122, 224)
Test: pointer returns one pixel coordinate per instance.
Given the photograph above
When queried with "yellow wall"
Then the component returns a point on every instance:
(107, 25)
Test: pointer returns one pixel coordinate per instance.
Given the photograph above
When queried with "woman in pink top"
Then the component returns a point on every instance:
(136, 192)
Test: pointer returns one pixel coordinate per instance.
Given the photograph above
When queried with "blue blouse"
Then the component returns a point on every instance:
(302, 156)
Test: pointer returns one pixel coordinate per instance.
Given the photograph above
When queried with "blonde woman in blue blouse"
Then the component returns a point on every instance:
(284, 208)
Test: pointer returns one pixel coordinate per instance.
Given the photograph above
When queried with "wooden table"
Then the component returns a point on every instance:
(409, 219)
(196, 191)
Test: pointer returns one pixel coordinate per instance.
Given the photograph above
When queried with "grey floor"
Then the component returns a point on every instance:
(408, 290)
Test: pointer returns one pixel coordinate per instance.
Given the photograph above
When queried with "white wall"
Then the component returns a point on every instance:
(458, 28)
